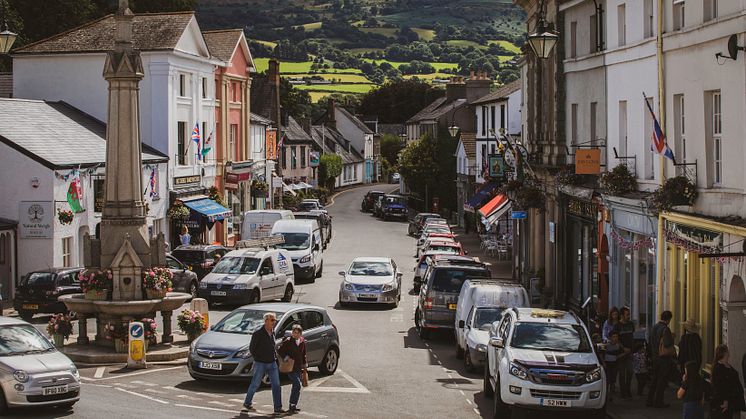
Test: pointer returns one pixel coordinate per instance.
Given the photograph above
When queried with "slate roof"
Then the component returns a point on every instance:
(332, 137)
(57, 135)
(501, 93)
(393, 129)
(260, 119)
(358, 123)
(150, 32)
(222, 43)
(436, 109)
(294, 133)
(469, 140)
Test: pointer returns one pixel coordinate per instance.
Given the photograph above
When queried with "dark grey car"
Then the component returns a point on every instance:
(184, 279)
(223, 352)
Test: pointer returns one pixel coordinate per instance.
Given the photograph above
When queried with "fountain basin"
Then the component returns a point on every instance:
(135, 308)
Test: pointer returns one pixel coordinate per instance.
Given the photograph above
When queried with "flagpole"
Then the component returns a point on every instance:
(661, 245)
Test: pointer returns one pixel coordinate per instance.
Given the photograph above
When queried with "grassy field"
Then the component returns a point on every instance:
(424, 34)
(463, 43)
(317, 96)
(337, 78)
(437, 66)
(341, 88)
(265, 43)
(509, 46)
(428, 77)
(304, 67)
(390, 32)
(310, 26)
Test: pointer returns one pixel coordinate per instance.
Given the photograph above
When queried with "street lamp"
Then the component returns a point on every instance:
(543, 40)
(7, 38)
(453, 130)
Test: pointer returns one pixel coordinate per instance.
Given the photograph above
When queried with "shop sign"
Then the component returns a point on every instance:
(184, 181)
(314, 158)
(271, 144)
(98, 194)
(518, 215)
(551, 232)
(582, 208)
(232, 180)
(635, 223)
(496, 165)
(695, 235)
(588, 161)
(36, 220)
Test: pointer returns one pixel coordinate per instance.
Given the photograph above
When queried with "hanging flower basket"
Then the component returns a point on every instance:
(178, 212)
(618, 181)
(216, 196)
(568, 177)
(192, 323)
(65, 216)
(259, 189)
(675, 191)
(157, 282)
(530, 197)
(95, 283)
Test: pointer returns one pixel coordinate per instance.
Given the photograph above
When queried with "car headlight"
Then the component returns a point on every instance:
(593, 376)
(21, 376)
(389, 287)
(193, 346)
(74, 371)
(240, 286)
(347, 286)
(305, 259)
(203, 285)
(243, 353)
(518, 371)
(482, 347)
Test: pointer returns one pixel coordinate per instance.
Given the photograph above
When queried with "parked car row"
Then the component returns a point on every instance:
(385, 206)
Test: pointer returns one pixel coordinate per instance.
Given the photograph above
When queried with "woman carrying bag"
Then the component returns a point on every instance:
(727, 393)
(293, 348)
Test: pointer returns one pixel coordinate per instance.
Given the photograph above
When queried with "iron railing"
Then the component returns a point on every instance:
(687, 169)
(629, 161)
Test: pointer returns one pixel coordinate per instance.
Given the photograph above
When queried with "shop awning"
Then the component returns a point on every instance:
(209, 209)
(496, 208)
(480, 196)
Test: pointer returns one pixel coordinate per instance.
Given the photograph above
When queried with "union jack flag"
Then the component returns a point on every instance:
(196, 138)
(659, 144)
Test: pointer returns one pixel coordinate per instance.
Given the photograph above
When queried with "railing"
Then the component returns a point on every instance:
(687, 169)
(629, 161)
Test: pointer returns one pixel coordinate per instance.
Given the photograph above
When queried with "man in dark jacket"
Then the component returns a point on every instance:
(262, 348)
(626, 330)
(662, 353)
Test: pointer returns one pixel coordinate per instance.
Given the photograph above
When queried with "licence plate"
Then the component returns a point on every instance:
(210, 365)
(51, 391)
(451, 306)
(219, 293)
(555, 403)
(30, 306)
(367, 296)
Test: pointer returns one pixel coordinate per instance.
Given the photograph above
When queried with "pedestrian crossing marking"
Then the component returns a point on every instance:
(315, 386)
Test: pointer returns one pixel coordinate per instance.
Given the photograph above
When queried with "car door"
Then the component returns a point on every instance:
(179, 272)
(288, 322)
(68, 283)
(267, 279)
(316, 335)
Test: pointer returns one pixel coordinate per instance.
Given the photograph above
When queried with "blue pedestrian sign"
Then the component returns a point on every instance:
(136, 330)
(518, 215)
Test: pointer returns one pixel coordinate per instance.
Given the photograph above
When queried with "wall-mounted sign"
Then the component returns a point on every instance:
(552, 230)
(231, 180)
(184, 181)
(314, 158)
(98, 194)
(35, 182)
(271, 144)
(36, 219)
(583, 209)
(518, 215)
(496, 165)
(588, 161)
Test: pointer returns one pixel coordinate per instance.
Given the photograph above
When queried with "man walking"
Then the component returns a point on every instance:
(626, 329)
(662, 353)
(262, 348)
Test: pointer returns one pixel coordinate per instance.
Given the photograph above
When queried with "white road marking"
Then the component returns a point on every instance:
(215, 402)
(216, 409)
(468, 401)
(143, 396)
(99, 372)
(236, 400)
(477, 411)
(152, 390)
(137, 373)
(144, 383)
(462, 392)
(125, 385)
(184, 396)
(397, 318)
(359, 388)
(98, 385)
(171, 388)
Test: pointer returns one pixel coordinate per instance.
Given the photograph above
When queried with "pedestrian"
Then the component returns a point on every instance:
(626, 329)
(294, 346)
(640, 366)
(727, 393)
(692, 392)
(262, 348)
(662, 354)
(690, 344)
(612, 357)
(184, 237)
(609, 324)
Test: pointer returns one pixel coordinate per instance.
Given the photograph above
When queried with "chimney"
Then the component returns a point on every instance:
(455, 89)
(331, 120)
(478, 86)
(273, 72)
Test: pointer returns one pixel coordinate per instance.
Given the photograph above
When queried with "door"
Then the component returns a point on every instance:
(278, 284)
(180, 278)
(267, 280)
(316, 334)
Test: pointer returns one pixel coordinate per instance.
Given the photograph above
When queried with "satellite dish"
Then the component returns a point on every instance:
(733, 46)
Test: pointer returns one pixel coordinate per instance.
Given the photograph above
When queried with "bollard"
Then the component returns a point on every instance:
(200, 304)
(136, 350)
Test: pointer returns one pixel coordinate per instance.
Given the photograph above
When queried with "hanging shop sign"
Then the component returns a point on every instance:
(496, 165)
(588, 161)
(271, 144)
(314, 158)
(583, 209)
(98, 194)
(36, 220)
(185, 181)
(231, 179)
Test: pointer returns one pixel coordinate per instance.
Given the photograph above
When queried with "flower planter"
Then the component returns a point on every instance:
(96, 295)
(155, 294)
(259, 193)
(120, 346)
(192, 336)
(59, 340)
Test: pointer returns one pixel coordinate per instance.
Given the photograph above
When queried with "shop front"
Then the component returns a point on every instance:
(237, 183)
(579, 251)
(200, 214)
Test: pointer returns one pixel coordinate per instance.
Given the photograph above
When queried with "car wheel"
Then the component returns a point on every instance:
(330, 362)
(3, 404)
(288, 297)
(193, 289)
(486, 386)
(321, 270)
(254, 298)
(467, 361)
(501, 410)
(459, 351)
(26, 315)
(424, 333)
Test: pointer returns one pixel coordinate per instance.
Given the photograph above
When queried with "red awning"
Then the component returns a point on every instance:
(497, 203)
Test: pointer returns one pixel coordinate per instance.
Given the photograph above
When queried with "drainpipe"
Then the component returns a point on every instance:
(599, 26)
(661, 245)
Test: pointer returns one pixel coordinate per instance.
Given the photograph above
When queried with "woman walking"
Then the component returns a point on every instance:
(727, 392)
(690, 345)
(294, 347)
(609, 324)
(185, 238)
(692, 392)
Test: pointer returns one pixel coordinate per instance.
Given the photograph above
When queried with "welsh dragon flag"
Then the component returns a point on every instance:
(74, 195)
(206, 147)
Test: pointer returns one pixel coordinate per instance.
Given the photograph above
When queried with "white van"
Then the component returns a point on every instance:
(485, 293)
(258, 223)
(303, 243)
(249, 275)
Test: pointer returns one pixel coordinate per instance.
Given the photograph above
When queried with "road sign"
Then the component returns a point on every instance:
(518, 215)
(136, 352)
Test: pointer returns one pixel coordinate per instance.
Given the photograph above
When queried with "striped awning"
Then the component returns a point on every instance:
(496, 208)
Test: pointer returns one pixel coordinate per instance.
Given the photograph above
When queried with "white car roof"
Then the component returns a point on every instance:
(542, 315)
(250, 252)
(371, 259)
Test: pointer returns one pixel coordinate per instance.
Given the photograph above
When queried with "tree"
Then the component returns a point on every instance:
(294, 101)
(330, 166)
(418, 166)
(390, 148)
(152, 6)
(398, 100)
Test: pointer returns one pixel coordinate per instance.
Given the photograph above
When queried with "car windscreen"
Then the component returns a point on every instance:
(550, 337)
(243, 321)
(451, 279)
(236, 265)
(484, 317)
(394, 200)
(22, 339)
(39, 279)
(444, 249)
(295, 241)
(370, 268)
(188, 256)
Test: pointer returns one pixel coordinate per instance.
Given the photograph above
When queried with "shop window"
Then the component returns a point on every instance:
(593, 39)
(67, 246)
(573, 39)
(574, 123)
(303, 156)
(649, 22)
(293, 157)
(204, 87)
(232, 138)
(713, 137)
(492, 118)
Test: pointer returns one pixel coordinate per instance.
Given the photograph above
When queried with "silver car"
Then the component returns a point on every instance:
(371, 280)
(223, 352)
(32, 371)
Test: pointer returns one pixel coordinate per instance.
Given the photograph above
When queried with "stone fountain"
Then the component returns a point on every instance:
(123, 246)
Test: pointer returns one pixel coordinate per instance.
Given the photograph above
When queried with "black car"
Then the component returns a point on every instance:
(38, 291)
(369, 200)
(199, 258)
(415, 224)
(184, 280)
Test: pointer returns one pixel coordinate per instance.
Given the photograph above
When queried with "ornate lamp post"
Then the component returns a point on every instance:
(7, 38)
(543, 40)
